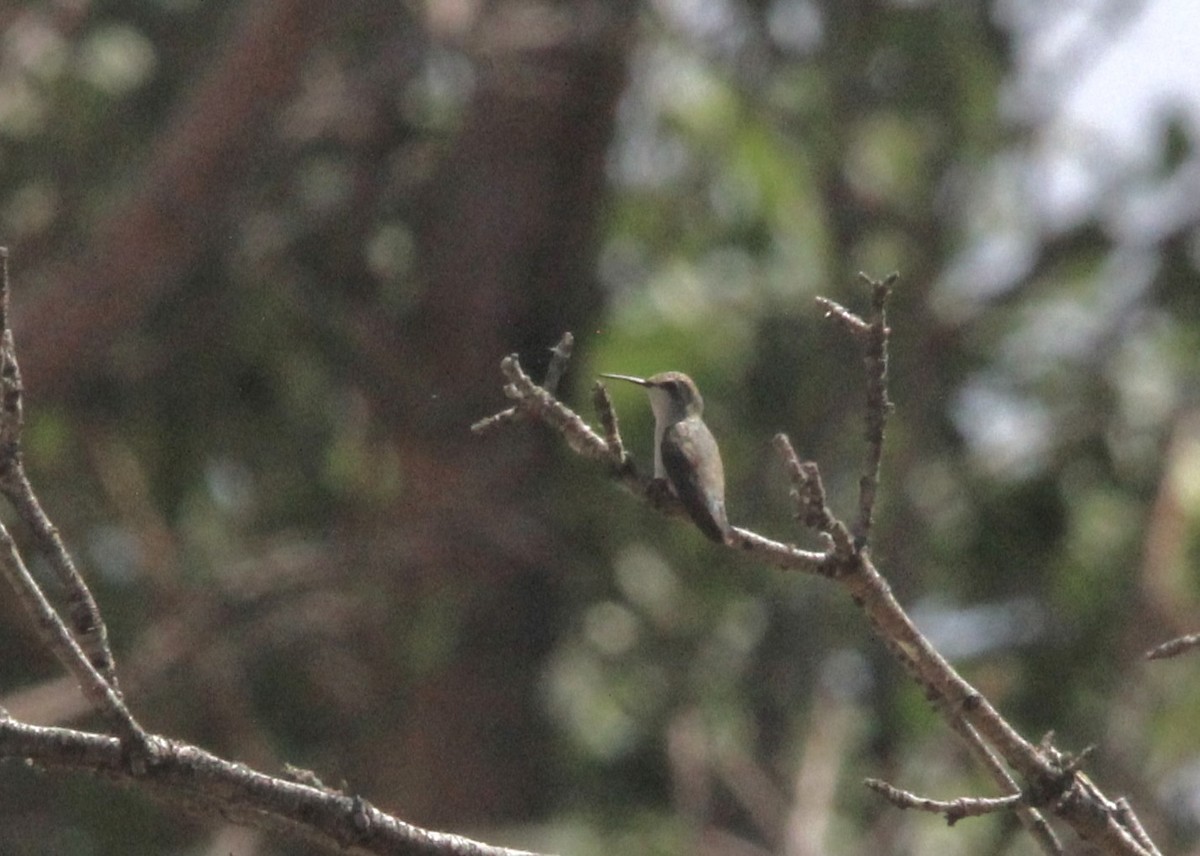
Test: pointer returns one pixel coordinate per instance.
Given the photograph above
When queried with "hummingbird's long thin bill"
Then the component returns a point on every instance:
(640, 381)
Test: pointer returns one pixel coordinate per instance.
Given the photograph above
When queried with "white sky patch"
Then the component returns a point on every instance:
(1149, 70)
(1108, 122)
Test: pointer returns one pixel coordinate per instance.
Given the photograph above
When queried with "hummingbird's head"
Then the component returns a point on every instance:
(673, 395)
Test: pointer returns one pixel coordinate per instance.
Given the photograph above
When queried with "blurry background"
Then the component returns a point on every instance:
(268, 254)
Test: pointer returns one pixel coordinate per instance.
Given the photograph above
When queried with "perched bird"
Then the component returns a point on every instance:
(685, 453)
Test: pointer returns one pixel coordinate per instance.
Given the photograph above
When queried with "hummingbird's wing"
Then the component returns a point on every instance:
(693, 465)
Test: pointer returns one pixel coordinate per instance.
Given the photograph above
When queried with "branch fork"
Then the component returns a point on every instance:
(169, 770)
(81, 643)
(1052, 780)
(208, 785)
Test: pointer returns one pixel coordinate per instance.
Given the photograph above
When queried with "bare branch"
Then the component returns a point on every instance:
(621, 459)
(942, 683)
(779, 554)
(843, 316)
(1131, 822)
(175, 772)
(208, 786)
(84, 616)
(1174, 647)
(1033, 821)
(58, 639)
(1092, 813)
(545, 408)
(878, 405)
(1052, 779)
(548, 409)
(558, 364)
(809, 495)
(873, 335)
(83, 650)
(954, 810)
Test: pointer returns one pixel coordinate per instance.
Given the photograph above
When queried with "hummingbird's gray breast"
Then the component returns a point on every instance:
(693, 467)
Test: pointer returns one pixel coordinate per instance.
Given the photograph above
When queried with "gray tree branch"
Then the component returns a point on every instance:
(1051, 779)
(168, 770)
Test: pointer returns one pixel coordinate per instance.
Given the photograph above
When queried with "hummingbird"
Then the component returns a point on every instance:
(685, 453)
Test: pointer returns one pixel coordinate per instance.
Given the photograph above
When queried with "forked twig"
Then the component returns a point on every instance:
(558, 364)
(873, 335)
(85, 620)
(82, 649)
(1052, 780)
(169, 770)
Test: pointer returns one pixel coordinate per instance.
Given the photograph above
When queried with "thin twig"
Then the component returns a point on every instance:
(780, 555)
(878, 405)
(873, 335)
(1033, 821)
(84, 650)
(1131, 822)
(954, 810)
(58, 639)
(538, 402)
(611, 426)
(83, 614)
(1174, 647)
(843, 316)
(809, 495)
(558, 364)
